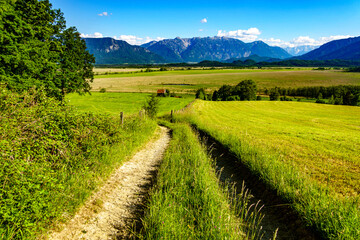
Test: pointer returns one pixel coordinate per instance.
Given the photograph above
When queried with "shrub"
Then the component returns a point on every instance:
(103, 90)
(151, 106)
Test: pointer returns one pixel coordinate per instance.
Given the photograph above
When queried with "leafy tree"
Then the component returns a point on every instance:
(224, 91)
(151, 106)
(246, 90)
(200, 94)
(274, 94)
(36, 50)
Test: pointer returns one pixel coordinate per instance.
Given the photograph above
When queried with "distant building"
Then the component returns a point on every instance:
(161, 92)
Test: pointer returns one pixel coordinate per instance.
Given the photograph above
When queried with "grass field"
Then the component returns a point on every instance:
(308, 152)
(188, 202)
(189, 80)
(130, 103)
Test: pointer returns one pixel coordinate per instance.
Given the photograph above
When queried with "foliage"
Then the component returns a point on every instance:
(357, 69)
(53, 157)
(187, 201)
(245, 90)
(36, 50)
(274, 94)
(151, 106)
(341, 95)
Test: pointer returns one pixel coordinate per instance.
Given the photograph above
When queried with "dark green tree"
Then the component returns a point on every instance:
(246, 90)
(200, 94)
(274, 94)
(36, 50)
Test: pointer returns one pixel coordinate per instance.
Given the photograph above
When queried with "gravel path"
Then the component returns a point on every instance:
(111, 212)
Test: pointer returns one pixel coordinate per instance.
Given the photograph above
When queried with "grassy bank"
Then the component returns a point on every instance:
(130, 103)
(307, 152)
(187, 201)
(52, 158)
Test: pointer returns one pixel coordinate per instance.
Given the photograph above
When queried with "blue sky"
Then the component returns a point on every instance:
(277, 22)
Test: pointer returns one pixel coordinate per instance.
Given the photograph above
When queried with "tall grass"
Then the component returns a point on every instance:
(291, 147)
(187, 201)
(52, 158)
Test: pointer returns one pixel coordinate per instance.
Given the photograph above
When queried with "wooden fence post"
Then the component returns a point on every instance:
(122, 118)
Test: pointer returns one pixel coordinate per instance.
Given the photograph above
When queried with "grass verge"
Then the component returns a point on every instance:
(52, 158)
(188, 203)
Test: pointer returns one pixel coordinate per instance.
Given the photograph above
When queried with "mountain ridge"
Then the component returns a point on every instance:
(211, 48)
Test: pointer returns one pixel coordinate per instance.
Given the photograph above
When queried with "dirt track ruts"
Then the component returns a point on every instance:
(111, 211)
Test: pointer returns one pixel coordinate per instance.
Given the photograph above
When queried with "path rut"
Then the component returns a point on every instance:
(111, 212)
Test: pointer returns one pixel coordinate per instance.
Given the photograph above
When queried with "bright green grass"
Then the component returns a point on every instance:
(189, 81)
(129, 103)
(308, 152)
(187, 202)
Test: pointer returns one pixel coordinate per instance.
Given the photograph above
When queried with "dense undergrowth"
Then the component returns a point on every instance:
(333, 215)
(187, 201)
(52, 158)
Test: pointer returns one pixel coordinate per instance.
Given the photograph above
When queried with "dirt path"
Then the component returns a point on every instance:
(111, 211)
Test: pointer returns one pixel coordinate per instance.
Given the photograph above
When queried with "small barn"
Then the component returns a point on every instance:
(161, 93)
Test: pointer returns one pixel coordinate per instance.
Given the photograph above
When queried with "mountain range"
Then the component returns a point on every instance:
(346, 49)
(111, 51)
(222, 49)
(212, 49)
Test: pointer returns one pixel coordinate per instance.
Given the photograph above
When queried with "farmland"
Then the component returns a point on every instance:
(307, 152)
(187, 81)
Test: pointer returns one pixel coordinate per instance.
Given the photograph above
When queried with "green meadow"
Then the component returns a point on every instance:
(130, 103)
(309, 153)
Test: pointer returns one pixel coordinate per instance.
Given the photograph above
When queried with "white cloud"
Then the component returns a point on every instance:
(244, 35)
(204, 20)
(104, 14)
(332, 38)
(95, 35)
(134, 40)
(303, 41)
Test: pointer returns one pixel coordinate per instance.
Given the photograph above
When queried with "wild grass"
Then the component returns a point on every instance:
(188, 81)
(130, 103)
(308, 152)
(52, 158)
(187, 201)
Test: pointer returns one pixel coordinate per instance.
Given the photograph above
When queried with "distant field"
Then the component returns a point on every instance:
(187, 81)
(308, 152)
(129, 103)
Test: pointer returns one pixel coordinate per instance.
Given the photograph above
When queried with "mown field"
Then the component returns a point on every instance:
(187, 81)
(130, 103)
(308, 152)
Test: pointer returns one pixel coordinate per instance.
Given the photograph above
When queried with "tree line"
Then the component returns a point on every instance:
(247, 91)
(339, 95)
